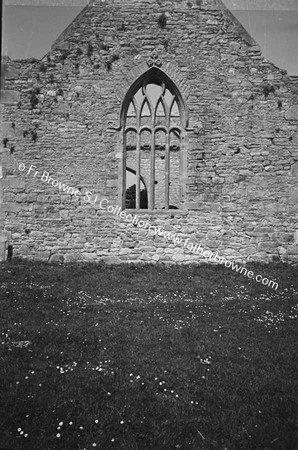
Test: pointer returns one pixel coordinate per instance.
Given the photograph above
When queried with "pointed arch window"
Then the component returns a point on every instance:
(152, 126)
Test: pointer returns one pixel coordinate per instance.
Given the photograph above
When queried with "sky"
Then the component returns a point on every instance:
(29, 29)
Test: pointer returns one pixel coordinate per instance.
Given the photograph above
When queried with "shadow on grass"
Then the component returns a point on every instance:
(189, 357)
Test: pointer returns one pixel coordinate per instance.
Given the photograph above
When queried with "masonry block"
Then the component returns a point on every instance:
(3, 248)
(14, 183)
(292, 113)
(9, 97)
(294, 197)
(292, 250)
(294, 170)
(9, 208)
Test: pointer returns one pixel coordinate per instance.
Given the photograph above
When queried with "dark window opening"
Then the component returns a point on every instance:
(130, 193)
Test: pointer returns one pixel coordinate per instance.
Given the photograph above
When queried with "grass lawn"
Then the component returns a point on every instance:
(147, 357)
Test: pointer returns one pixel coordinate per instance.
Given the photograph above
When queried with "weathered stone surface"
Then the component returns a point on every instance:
(292, 113)
(268, 247)
(110, 260)
(6, 235)
(72, 257)
(238, 171)
(292, 250)
(294, 197)
(294, 170)
(9, 97)
(14, 183)
(89, 256)
(3, 248)
(43, 256)
(179, 257)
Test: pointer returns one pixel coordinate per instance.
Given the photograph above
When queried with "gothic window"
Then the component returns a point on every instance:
(152, 145)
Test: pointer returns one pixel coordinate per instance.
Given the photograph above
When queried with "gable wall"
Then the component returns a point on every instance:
(241, 144)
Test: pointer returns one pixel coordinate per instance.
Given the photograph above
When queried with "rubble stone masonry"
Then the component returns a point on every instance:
(62, 114)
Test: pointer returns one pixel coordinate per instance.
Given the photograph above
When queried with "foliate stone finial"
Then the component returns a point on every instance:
(154, 59)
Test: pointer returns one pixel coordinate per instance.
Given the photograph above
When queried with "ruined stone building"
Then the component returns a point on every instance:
(165, 109)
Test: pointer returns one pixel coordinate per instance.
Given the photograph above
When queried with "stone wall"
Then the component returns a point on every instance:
(240, 145)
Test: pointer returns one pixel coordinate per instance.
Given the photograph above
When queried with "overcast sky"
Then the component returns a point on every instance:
(31, 30)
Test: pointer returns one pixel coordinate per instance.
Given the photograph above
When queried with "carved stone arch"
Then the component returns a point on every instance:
(168, 71)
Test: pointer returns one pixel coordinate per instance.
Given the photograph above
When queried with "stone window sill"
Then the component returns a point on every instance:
(153, 212)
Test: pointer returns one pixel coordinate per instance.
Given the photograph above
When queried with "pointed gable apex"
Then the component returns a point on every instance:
(95, 7)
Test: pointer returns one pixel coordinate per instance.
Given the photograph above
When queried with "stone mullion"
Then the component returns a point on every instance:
(138, 171)
(138, 150)
(167, 158)
(152, 178)
(167, 171)
(152, 163)
(183, 170)
(124, 171)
